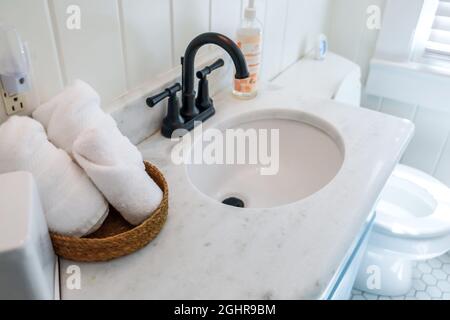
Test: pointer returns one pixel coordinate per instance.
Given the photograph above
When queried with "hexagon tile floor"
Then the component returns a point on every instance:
(431, 281)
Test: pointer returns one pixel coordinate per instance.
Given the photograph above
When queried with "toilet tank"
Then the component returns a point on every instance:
(333, 78)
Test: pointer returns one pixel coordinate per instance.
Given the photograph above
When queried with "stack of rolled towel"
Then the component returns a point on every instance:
(75, 123)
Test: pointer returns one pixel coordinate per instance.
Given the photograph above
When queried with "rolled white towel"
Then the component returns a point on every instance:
(112, 162)
(73, 205)
(77, 94)
(76, 110)
(126, 186)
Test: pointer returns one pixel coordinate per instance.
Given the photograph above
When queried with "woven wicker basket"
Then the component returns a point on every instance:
(116, 237)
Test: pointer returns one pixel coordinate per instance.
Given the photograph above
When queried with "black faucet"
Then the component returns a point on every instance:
(200, 108)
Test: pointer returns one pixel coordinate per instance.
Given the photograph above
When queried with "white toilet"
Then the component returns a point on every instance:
(413, 214)
(412, 223)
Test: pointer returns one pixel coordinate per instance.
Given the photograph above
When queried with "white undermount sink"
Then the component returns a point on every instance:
(311, 154)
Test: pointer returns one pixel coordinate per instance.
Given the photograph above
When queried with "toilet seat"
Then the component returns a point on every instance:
(413, 205)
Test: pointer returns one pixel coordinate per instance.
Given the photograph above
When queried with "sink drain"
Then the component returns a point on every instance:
(234, 202)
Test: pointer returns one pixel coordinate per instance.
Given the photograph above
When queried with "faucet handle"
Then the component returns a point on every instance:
(203, 101)
(173, 120)
(202, 74)
(168, 92)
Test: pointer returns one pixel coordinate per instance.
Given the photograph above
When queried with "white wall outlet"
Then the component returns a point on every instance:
(13, 104)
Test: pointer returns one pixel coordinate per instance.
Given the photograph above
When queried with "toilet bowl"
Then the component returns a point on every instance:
(413, 213)
(412, 223)
(414, 207)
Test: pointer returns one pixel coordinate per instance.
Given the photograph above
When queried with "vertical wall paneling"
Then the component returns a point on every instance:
(93, 53)
(37, 31)
(398, 109)
(429, 149)
(432, 128)
(226, 16)
(190, 18)
(317, 19)
(305, 20)
(441, 154)
(273, 37)
(371, 102)
(347, 27)
(294, 38)
(350, 36)
(368, 40)
(146, 38)
(442, 171)
(397, 35)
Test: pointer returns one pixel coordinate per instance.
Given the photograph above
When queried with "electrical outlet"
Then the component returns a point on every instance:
(13, 104)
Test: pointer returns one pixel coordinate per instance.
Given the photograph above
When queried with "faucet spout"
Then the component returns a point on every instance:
(189, 110)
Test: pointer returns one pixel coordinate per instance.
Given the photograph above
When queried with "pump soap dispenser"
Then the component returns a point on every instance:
(249, 40)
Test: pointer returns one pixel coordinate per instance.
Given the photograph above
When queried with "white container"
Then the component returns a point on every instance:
(27, 260)
(249, 40)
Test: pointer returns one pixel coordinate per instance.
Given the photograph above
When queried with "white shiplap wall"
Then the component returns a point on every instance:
(349, 35)
(124, 43)
(430, 148)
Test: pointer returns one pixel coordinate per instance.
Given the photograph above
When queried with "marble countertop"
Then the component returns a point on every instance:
(211, 251)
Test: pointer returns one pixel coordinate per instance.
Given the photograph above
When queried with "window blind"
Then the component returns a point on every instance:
(438, 44)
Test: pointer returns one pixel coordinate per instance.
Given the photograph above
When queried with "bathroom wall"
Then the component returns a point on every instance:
(124, 43)
(349, 35)
(430, 148)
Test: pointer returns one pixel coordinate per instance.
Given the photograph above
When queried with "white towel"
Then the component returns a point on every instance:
(73, 205)
(65, 116)
(78, 94)
(71, 112)
(123, 182)
(76, 110)
(112, 162)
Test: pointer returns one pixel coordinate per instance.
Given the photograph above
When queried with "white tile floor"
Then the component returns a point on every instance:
(431, 281)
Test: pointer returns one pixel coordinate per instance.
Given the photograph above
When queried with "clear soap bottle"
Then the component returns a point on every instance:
(249, 40)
